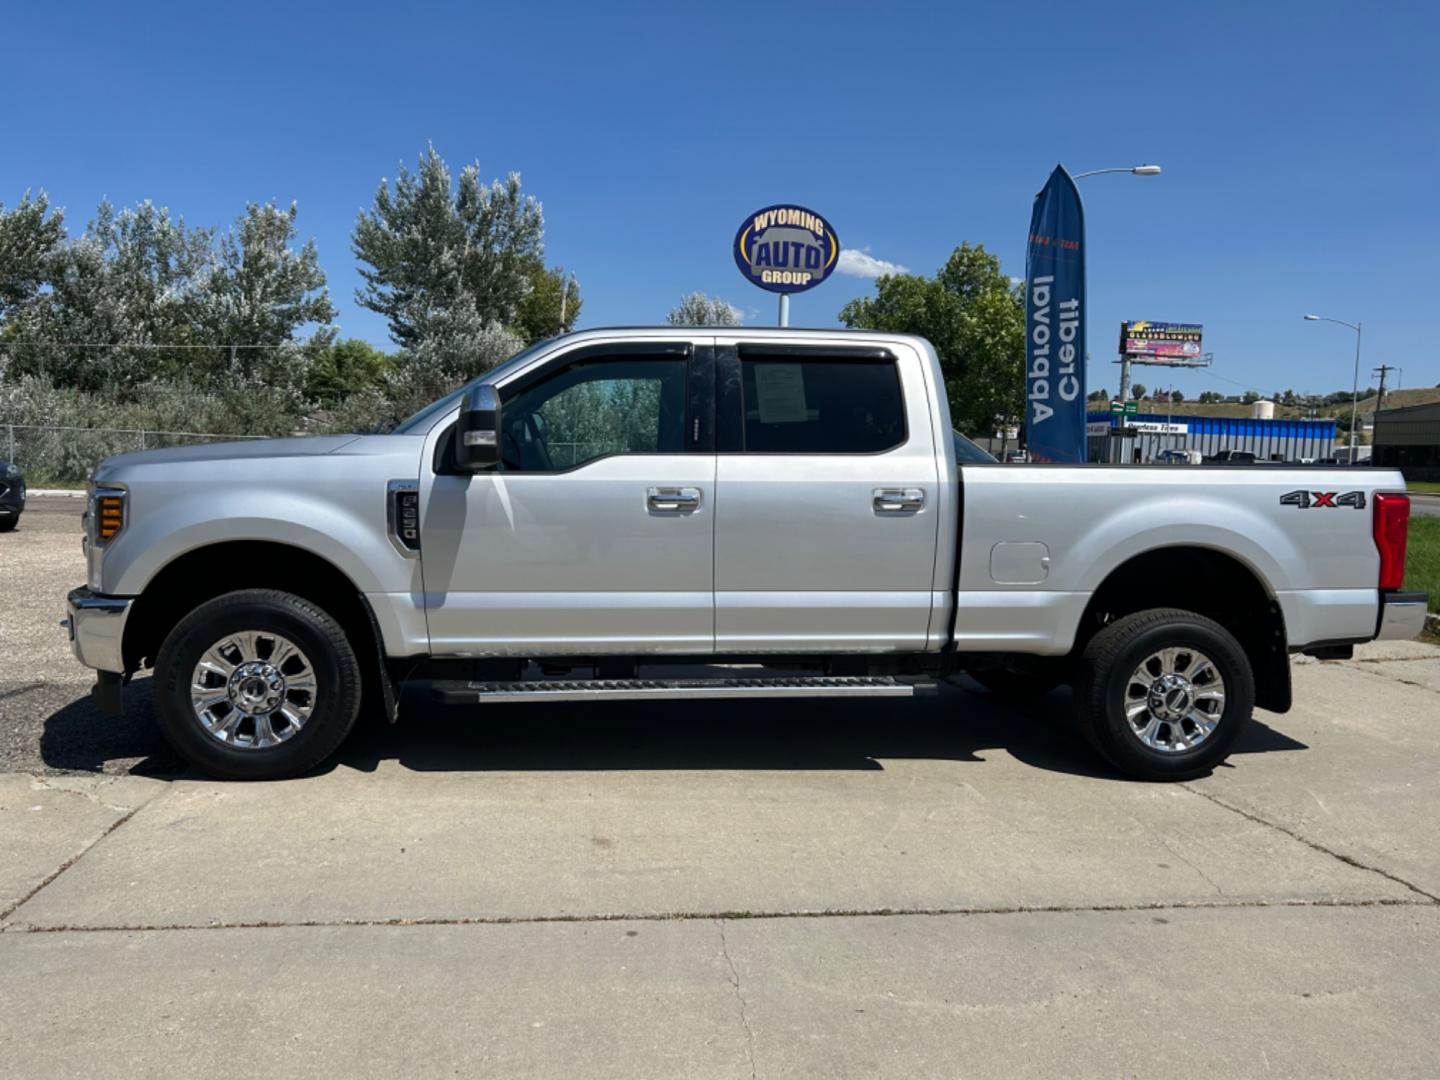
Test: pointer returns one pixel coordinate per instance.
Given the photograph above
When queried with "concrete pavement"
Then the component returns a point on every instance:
(948, 889)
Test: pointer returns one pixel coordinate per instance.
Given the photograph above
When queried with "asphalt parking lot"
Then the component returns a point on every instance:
(939, 887)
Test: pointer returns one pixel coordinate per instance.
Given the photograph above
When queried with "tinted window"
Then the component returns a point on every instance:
(805, 406)
(593, 409)
(967, 453)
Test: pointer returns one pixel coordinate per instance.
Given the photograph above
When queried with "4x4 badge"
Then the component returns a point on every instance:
(1306, 500)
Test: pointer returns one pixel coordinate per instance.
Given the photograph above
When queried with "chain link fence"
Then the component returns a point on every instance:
(65, 455)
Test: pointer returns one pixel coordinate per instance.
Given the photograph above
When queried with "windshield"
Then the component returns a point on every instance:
(420, 423)
(967, 453)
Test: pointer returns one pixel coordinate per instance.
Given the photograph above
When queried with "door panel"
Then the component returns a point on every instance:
(596, 534)
(827, 551)
(571, 563)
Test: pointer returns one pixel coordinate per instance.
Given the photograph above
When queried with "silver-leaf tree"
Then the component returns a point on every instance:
(442, 259)
(697, 309)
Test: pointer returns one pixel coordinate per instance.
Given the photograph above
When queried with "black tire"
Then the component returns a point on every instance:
(8, 524)
(334, 706)
(1104, 678)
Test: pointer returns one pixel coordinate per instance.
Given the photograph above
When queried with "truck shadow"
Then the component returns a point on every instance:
(957, 725)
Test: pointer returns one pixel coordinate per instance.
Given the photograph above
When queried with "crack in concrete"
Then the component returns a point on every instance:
(735, 916)
(1388, 659)
(1192, 865)
(1389, 678)
(126, 816)
(740, 997)
(24, 688)
(42, 783)
(1314, 845)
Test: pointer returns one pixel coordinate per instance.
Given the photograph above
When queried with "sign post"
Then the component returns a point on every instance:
(1164, 344)
(786, 249)
(1055, 324)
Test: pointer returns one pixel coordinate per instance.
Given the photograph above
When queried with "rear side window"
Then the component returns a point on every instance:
(819, 406)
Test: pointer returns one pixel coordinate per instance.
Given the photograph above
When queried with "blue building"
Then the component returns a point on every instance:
(1148, 434)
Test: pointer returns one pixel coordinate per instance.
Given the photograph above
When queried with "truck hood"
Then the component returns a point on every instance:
(242, 450)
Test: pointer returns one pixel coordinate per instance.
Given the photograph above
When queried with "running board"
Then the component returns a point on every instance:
(472, 693)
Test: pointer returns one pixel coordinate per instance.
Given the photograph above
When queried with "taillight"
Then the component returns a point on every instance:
(1392, 528)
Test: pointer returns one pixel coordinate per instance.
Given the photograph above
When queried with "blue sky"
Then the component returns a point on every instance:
(1300, 145)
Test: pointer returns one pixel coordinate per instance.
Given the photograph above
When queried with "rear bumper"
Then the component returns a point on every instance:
(1402, 615)
(97, 628)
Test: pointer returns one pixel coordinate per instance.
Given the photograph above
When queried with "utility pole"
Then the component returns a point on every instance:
(565, 286)
(1382, 371)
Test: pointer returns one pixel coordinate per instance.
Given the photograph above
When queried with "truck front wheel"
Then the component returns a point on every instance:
(256, 685)
(1163, 694)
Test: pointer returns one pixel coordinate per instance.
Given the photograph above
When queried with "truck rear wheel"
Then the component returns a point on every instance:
(256, 685)
(1163, 694)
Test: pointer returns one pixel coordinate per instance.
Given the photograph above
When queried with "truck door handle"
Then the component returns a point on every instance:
(673, 499)
(899, 500)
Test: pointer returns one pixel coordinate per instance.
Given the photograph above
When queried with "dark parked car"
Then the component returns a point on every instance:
(12, 495)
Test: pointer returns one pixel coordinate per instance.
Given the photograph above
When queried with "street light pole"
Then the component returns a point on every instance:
(1355, 393)
(1133, 170)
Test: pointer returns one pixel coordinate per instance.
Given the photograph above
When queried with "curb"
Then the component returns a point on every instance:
(65, 493)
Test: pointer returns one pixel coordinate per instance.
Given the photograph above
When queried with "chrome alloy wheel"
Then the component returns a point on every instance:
(253, 690)
(1175, 699)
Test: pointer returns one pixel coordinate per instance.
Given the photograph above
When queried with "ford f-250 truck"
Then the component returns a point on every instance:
(609, 512)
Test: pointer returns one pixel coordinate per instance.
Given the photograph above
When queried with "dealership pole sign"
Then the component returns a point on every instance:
(786, 249)
(1055, 324)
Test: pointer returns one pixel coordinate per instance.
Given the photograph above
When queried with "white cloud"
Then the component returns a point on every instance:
(860, 263)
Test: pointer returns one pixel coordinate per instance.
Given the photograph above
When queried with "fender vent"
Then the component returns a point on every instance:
(402, 514)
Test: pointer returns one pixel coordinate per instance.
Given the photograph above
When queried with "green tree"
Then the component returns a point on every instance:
(1176, 397)
(1138, 391)
(444, 262)
(28, 241)
(120, 310)
(341, 368)
(975, 317)
(259, 295)
(697, 309)
(550, 307)
(1100, 395)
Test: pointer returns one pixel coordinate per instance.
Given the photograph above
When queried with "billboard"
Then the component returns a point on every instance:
(1055, 324)
(1164, 340)
(786, 249)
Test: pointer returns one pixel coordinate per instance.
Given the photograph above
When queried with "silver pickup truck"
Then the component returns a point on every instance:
(693, 513)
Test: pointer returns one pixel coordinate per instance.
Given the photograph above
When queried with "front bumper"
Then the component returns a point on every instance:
(97, 628)
(1402, 615)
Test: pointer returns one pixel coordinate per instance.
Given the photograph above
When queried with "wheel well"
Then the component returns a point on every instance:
(208, 572)
(1209, 583)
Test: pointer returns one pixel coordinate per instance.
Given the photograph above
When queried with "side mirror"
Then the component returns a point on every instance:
(477, 434)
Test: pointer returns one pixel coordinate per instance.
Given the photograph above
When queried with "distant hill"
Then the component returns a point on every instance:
(1394, 399)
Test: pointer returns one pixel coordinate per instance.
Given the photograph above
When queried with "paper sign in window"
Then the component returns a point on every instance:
(781, 390)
